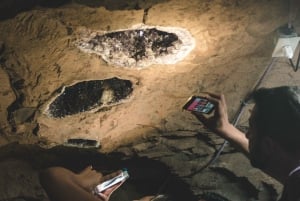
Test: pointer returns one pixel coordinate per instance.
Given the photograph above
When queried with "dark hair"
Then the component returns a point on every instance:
(278, 115)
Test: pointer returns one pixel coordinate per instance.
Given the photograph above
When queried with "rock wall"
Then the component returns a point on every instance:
(233, 45)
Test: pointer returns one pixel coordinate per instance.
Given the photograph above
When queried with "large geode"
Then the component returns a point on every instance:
(140, 47)
(89, 95)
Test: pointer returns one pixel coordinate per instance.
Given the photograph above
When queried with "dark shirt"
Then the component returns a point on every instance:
(291, 191)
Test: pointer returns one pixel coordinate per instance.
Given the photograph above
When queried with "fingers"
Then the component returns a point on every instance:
(87, 169)
(200, 117)
(219, 118)
(110, 176)
(107, 193)
(89, 172)
(112, 188)
(214, 98)
(218, 96)
(217, 99)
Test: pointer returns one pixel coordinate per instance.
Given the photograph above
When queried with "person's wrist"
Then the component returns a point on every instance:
(226, 130)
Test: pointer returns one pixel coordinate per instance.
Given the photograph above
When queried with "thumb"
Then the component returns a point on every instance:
(102, 197)
(200, 117)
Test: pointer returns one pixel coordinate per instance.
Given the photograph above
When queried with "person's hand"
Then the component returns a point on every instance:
(105, 195)
(89, 178)
(218, 122)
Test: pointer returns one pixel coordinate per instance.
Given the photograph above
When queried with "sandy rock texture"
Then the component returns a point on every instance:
(234, 41)
(43, 47)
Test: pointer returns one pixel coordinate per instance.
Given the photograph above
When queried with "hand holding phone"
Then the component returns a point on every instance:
(217, 122)
(199, 104)
(123, 176)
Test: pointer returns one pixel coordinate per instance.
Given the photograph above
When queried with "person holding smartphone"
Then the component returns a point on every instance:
(62, 184)
(272, 142)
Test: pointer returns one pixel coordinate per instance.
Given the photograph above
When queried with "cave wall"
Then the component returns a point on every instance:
(234, 42)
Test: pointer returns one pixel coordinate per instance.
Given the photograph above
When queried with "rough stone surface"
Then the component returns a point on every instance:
(221, 177)
(233, 45)
(19, 181)
(2, 47)
(7, 97)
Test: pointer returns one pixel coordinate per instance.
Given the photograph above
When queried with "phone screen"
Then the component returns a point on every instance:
(109, 183)
(199, 104)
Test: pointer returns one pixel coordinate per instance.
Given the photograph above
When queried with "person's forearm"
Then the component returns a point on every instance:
(61, 185)
(236, 138)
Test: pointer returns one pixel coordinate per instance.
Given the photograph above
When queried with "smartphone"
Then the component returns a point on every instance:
(199, 104)
(109, 183)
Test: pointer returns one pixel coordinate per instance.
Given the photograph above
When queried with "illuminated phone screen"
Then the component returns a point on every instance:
(107, 184)
(199, 104)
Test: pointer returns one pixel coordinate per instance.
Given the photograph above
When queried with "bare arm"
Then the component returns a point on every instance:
(219, 123)
(236, 138)
(64, 185)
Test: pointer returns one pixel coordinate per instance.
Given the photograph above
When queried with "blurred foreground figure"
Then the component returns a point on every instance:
(63, 185)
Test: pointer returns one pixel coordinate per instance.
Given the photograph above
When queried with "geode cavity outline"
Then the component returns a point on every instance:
(88, 96)
(125, 47)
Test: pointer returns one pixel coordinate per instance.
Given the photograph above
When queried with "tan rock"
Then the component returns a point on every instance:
(7, 97)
